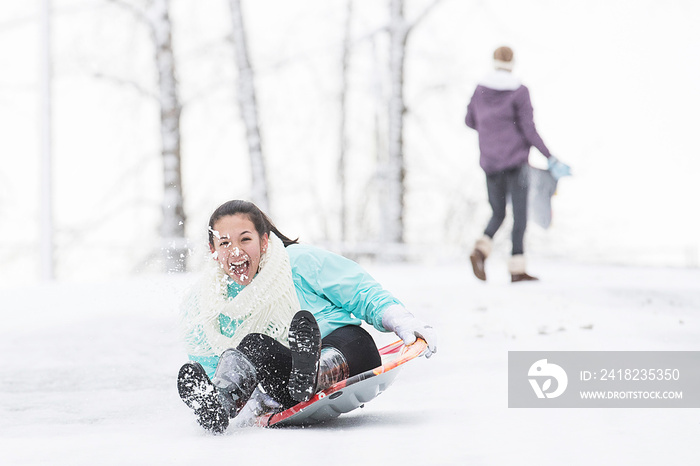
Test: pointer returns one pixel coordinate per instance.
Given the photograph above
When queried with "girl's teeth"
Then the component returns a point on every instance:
(239, 268)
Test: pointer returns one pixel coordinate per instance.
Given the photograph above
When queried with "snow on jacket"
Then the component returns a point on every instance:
(501, 112)
(335, 289)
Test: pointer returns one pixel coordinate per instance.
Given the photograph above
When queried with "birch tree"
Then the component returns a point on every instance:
(155, 15)
(343, 137)
(173, 226)
(392, 175)
(247, 102)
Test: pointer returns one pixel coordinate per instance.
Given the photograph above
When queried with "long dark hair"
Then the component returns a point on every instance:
(261, 222)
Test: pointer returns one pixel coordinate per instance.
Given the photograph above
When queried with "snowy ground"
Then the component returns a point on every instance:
(88, 375)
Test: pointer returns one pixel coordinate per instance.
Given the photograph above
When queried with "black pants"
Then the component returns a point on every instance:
(273, 360)
(513, 182)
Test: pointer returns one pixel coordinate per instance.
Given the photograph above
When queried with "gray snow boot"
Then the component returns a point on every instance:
(235, 379)
(305, 343)
(199, 394)
(333, 367)
(313, 369)
(217, 400)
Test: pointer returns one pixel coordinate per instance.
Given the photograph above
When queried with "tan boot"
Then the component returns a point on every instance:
(522, 277)
(516, 267)
(481, 251)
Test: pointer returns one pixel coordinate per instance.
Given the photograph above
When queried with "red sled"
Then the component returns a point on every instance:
(348, 394)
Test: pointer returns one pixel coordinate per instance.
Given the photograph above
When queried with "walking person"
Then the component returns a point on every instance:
(501, 112)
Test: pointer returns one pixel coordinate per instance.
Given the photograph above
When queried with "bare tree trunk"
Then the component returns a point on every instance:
(392, 204)
(393, 200)
(249, 109)
(173, 226)
(343, 139)
(379, 134)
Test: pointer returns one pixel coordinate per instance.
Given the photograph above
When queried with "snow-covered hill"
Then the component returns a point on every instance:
(88, 375)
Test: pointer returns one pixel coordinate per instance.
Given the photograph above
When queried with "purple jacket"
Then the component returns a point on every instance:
(501, 112)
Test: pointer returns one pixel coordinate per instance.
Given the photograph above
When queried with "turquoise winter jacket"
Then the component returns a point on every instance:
(336, 290)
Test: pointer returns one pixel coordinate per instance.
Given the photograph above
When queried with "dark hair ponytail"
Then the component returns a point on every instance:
(261, 222)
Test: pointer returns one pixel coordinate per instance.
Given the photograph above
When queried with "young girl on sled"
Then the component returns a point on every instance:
(279, 316)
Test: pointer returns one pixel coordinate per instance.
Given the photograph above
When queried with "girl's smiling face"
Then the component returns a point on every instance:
(238, 247)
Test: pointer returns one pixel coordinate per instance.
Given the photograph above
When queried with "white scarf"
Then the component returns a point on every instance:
(266, 305)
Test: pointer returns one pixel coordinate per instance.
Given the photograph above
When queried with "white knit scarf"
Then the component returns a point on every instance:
(266, 305)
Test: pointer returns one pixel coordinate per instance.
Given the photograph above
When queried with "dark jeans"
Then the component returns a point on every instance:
(273, 360)
(513, 182)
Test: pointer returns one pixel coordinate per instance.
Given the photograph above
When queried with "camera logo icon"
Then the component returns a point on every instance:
(541, 375)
